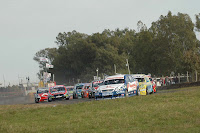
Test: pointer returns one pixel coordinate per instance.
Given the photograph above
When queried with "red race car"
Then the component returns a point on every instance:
(58, 92)
(153, 83)
(85, 89)
(94, 86)
(41, 95)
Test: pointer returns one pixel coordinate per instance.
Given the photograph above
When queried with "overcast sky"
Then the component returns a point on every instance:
(27, 26)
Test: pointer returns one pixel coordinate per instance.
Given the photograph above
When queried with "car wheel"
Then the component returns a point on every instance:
(147, 93)
(126, 93)
(49, 99)
(89, 96)
(67, 98)
(138, 92)
(75, 96)
(36, 100)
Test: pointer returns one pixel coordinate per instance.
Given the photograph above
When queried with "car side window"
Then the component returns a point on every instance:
(147, 79)
(127, 79)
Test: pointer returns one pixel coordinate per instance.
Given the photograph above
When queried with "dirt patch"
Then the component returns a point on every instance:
(16, 100)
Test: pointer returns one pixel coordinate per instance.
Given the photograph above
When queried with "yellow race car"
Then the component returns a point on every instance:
(145, 85)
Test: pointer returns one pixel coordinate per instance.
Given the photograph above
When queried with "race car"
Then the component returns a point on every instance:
(153, 83)
(77, 90)
(85, 90)
(117, 86)
(58, 92)
(41, 95)
(70, 91)
(145, 85)
(94, 86)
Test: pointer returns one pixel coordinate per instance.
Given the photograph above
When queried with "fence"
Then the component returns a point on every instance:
(177, 79)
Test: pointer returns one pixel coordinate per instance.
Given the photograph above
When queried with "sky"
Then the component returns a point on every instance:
(28, 26)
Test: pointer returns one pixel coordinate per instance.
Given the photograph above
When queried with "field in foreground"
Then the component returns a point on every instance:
(165, 112)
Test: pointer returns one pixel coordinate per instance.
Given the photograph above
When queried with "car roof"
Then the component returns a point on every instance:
(118, 76)
(69, 86)
(43, 88)
(57, 86)
(86, 84)
(80, 84)
(138, 75)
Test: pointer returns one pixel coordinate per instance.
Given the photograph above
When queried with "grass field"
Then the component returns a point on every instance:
(164, 112)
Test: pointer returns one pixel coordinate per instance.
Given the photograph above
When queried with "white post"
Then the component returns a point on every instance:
(179, 78)
(115, 68)
(4, 81)
(127, 66)
(187, 77)
(97, 72)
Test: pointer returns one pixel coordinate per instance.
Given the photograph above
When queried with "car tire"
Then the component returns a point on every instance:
(138, 92)
(36, 100)
(75, 96)
(49, 99)
(126, 93)
(90, 96)
(67, 98)
(147, 93)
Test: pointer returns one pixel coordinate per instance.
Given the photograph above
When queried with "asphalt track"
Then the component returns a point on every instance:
(30, 99)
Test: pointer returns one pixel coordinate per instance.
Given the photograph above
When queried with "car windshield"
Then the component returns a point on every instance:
(57, 89)
(97, 83)
(87, 87)
(69, 89)
(114, 81)
(140, 79)
(79, 87)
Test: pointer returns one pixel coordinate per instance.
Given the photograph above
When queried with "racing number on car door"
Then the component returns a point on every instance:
(132, 86)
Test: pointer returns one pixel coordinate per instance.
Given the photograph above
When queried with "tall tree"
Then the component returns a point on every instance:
(173, 37)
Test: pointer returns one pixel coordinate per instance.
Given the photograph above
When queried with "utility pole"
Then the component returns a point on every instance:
(97, 72)
(4, 82)
(127, 64)
(115, 68)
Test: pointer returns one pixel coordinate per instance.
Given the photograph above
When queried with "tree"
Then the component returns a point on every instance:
(173, 37)
(49, 53)
(197, 22)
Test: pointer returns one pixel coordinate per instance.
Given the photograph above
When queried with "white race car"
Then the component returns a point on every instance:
(117, 86)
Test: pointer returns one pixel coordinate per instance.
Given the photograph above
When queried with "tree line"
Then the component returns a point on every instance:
(169, 45)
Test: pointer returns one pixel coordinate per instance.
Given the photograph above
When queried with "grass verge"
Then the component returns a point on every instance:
(165, 112)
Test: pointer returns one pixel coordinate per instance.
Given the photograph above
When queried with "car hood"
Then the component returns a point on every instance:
(110, 87)
(140, 83)
(43, 94)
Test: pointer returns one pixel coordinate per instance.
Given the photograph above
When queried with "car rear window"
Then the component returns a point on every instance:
(114, 81)
(79, 87)
(69, 89)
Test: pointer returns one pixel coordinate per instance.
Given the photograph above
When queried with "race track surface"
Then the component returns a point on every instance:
(30, 99)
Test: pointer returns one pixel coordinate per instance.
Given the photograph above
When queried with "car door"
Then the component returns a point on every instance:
(131, 85)
(148, 84)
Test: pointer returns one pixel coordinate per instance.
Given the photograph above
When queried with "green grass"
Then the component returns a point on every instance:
(165, 112)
